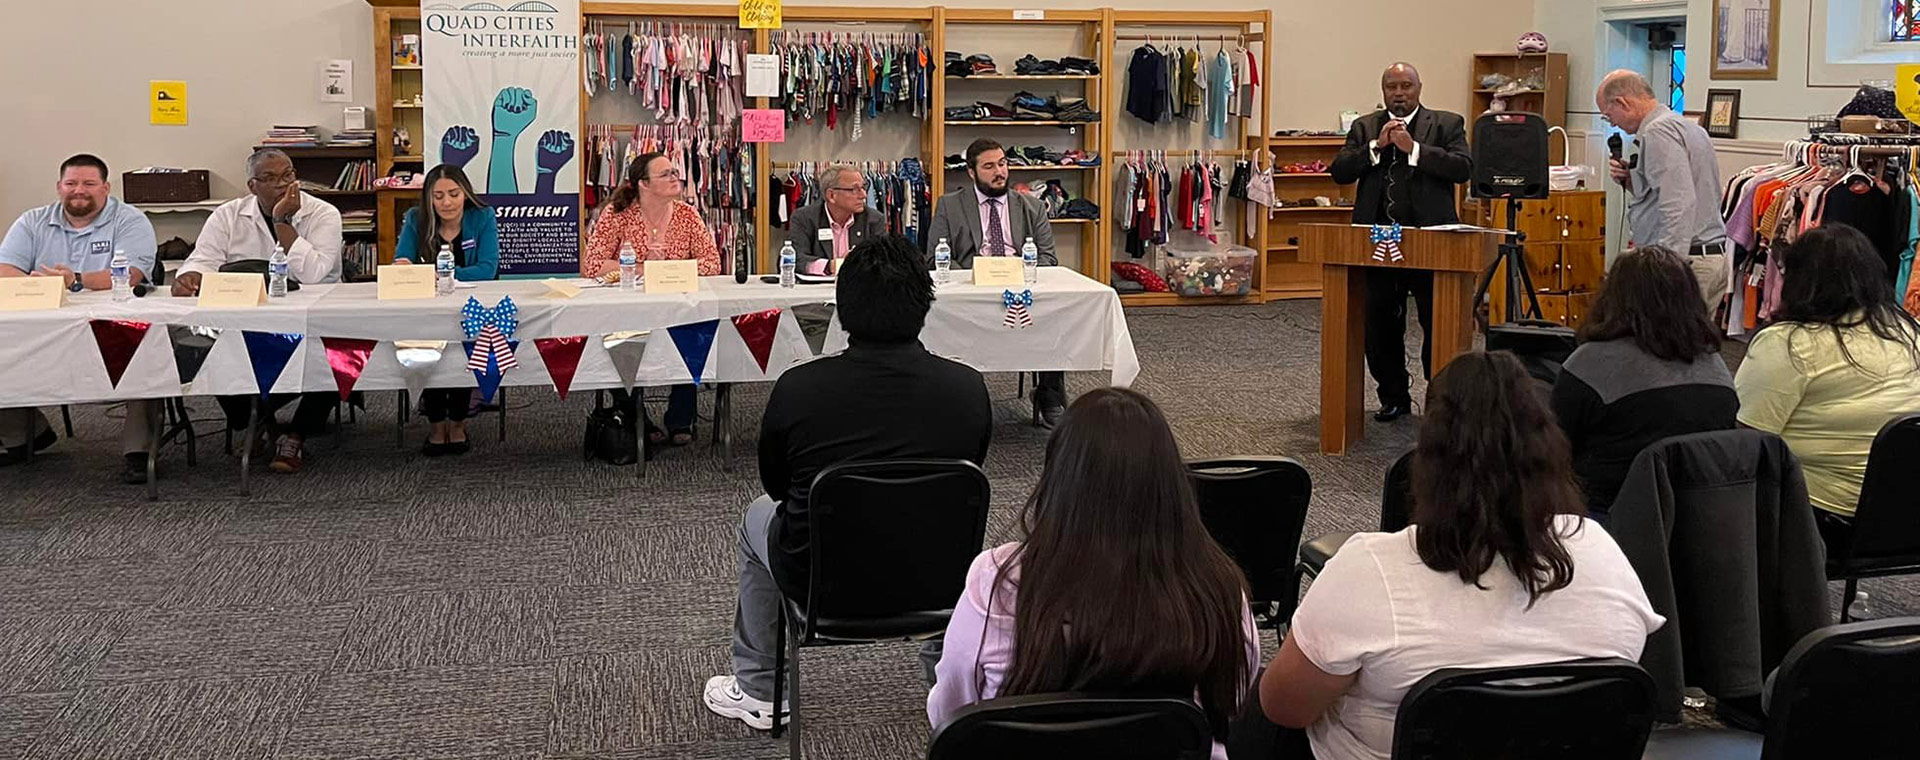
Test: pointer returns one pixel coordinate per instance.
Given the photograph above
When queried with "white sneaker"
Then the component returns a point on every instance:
(724, 697)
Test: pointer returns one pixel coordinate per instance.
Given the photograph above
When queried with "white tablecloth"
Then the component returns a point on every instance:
(50, 357)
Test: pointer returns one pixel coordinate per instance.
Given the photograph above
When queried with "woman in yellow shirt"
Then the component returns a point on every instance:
(1840, 360)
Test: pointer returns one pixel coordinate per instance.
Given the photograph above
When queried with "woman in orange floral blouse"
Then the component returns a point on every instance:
(647, 211)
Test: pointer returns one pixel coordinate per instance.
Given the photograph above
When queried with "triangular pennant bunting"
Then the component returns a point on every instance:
(695, 341)
(348, 358)
(626, 349)
(417, 359)
(562, 357)
(191, 345)
(757, 329)
(118, 339)
(269, 353)
(814, 319)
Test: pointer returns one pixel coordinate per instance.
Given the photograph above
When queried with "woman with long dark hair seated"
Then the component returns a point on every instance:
(1648, 367)
(1840, 360)
(449, 217)
(1499, 568)
(1117, 586)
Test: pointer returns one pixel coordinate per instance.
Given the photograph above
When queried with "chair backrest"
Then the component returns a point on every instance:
(1886, 522)
(1255, 507)
(1396, 495)
(1074, 725)
(891, 537)
(1847, 690)
(1598, 709)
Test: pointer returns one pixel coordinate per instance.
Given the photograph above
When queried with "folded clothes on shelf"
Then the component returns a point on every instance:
(977, 64)
(1029, 65)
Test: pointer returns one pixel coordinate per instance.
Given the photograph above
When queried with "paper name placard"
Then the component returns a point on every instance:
(32, 293)
(558, 288)
(405, 281)
(673, 276)
(232, 290)
(999, 271)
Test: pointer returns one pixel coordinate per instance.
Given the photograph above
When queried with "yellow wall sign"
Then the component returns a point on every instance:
(1906, 89)
(167, 101)
(759, 14)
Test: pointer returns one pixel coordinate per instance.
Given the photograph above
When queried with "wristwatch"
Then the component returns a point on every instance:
(76, 286)
(286, 220)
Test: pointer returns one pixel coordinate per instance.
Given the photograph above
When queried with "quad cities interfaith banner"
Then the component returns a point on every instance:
(502, 91)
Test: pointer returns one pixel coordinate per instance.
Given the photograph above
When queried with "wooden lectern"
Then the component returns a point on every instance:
(1344, 251)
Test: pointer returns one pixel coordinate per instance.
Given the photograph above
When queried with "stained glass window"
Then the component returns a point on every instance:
(1677, 78)
(1902, 26)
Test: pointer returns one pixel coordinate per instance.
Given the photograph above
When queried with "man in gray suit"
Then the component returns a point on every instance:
(824, 232)
(986, 220)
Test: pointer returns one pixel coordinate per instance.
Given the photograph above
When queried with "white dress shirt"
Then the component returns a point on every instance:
(237, 231)
(1413, 156)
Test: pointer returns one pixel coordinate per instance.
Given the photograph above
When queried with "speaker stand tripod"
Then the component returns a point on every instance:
(1519, 280)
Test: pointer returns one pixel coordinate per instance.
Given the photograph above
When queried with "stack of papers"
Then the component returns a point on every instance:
(292, 136)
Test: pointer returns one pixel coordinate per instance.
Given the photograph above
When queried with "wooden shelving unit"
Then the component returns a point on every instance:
(1550, 100)
(393, 83)
(1285, 275)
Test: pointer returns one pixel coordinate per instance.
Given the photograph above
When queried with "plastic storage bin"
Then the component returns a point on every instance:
(1225, 272)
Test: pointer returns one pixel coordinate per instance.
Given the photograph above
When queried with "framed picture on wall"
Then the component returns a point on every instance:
(1746, 39)
(1723, 113)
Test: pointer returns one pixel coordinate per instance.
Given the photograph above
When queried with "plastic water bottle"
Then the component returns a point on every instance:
(122, 272)
(1030, 258)
(942, 262)
(629, 268)
(277, 273)
(443, 271)
(788, 260)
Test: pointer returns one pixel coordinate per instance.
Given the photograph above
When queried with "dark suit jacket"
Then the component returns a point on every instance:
(958, 220)
(1422, 195)
(804, 230)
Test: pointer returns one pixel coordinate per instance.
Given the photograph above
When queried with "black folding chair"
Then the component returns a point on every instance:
(889, 544)
(1396, 512)
(1598, 709)
(1885, 535)
(1255, 507)
(1844, 691)
(1075, 725)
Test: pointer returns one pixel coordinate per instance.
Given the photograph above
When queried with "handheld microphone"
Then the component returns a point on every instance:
(1614, 147)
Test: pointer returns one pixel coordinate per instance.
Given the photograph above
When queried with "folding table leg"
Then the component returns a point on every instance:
(153, 449)
(246, 446)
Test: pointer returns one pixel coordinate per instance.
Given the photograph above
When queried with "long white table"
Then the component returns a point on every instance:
(50, 357)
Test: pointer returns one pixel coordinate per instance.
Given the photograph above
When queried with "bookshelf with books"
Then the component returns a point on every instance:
(399, 135)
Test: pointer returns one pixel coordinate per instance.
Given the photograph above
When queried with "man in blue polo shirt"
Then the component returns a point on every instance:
(75, 239)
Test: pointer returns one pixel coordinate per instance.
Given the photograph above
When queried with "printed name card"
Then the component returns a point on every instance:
(672, 276)
(558, 288)
(232, 290)
(32, 293)
(405, 281)
(999, 271)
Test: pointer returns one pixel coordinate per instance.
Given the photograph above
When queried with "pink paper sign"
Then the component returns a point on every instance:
(763, 125)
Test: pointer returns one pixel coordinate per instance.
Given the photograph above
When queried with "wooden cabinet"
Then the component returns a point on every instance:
(1286, 276)
(1565, 243)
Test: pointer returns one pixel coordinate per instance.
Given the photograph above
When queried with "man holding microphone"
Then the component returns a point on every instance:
(1672, 184)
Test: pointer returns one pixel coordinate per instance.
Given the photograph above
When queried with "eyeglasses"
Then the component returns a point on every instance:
(861, 189)
(275, 179)
(668, 174)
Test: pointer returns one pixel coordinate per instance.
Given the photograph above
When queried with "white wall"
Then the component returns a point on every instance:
(80, 77)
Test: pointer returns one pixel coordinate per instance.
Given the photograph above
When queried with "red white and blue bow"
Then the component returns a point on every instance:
(1017, 303)
(1386, 242)
(489, 341)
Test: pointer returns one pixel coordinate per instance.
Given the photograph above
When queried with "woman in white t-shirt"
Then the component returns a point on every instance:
(1499, 568)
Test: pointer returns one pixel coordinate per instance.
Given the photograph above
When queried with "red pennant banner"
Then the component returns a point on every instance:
(118, 339)
(562, 356)
(757, 329)
(348, 358)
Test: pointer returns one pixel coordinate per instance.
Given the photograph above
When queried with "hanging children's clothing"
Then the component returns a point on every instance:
(842, 76)
(683, 73)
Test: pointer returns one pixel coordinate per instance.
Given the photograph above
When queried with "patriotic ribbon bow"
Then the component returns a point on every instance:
(1017, 303)
(490, 329)
(1386, 242)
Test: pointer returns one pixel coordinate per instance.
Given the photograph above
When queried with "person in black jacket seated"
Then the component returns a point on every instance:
(841, 221)
(1407, 160)
(1648, 367)
(885, 397)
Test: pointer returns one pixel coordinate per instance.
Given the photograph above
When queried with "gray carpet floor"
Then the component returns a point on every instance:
(516, 603)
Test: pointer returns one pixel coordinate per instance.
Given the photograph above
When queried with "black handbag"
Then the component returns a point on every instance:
(610, 437)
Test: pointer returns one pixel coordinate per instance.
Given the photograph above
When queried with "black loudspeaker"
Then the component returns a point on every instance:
(1542, 346)
(1509, 156)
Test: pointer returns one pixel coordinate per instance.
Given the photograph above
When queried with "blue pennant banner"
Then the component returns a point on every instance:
(695, 341)
(269, 352)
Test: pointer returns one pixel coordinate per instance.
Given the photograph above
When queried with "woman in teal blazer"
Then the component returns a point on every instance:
(465, 226)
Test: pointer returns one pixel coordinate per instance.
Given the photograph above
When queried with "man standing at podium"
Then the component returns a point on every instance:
(1407, 160)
